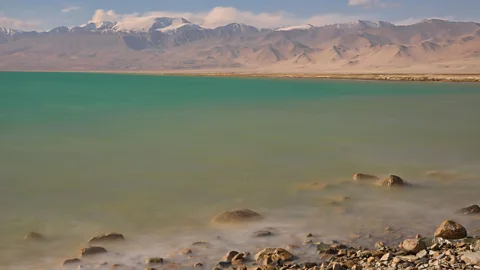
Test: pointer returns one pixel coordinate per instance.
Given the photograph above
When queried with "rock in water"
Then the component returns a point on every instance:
(273, 254)
(413, 246)
(229, 256)
(107, 237)
(154, 260)
(33, 236)
(93, 250)
(393, 181)
(237, 216)
(364, 177)
(450, 230)
(470, 210)
(71, 261)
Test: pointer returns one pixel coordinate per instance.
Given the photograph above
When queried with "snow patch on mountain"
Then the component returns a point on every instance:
(298, 27)
(182, 26)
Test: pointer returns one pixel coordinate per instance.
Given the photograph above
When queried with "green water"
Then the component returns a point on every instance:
(82, 154)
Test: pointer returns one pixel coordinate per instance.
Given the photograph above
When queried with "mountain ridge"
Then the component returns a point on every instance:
(176, 43)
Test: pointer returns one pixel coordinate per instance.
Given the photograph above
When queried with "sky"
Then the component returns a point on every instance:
(47, 14)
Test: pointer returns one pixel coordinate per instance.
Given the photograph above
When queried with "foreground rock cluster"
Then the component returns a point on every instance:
(448, 247)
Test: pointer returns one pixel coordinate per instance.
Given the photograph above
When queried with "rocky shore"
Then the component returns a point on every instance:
(450, 246)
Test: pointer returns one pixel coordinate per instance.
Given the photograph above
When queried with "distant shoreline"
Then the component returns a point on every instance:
(415, 77)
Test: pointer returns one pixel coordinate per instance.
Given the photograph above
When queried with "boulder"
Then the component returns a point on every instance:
(237, 216)
(93, 250)
(107, 238)
(364, 177)
(392, 181)
(33, 236)
(71, 261)
(470, 210)
(274, 254)
(450, 230)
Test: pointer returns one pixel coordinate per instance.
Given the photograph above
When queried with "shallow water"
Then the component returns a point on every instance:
(156, 157)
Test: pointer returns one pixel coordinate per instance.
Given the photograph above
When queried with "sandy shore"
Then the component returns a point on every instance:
(423, 77)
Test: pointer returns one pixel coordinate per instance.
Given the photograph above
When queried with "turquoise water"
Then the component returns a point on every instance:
(82, 154)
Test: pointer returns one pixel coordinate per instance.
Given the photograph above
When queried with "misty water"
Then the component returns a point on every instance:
(156, 157)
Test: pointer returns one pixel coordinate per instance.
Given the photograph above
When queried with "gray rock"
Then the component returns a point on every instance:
(470, 210)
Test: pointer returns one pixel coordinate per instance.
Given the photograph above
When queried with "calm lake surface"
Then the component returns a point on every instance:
(157, 157)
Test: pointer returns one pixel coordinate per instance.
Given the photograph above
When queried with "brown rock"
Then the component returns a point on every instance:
(107, 238)
(470, 210)
(71, 261)
(33, 236)
(240, 257)
(263, 233)
(198, 265)
(413, 246)
(364, 177)
(393, 181)
(229, 256)
(93, 250)
(275, 254)
(450, 230)
(154, 260)
(237, 216)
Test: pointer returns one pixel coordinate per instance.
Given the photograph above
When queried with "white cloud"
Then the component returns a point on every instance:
(223, 15)
(373, 3)
(70, 9)
(413, 20)
(18, 24)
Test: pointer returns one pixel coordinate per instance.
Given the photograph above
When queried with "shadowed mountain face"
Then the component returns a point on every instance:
(171, 43)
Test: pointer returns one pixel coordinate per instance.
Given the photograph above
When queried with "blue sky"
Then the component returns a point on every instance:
(46, 14)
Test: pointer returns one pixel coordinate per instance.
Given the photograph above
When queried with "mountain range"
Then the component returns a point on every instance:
(177, 44)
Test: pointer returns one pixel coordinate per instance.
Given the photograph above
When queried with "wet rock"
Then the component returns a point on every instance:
(450, 230)
(470, 210)
(107, 238)
(237, 216)
(263, 233)
(229, 256)
(33, 236)
(154, 260)
(393, 181)
(240, 257)
(413, 246)
(322, 247)
(364, 177)
(93, 250)
(274, 254)
(223, 265)
(72, 261)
